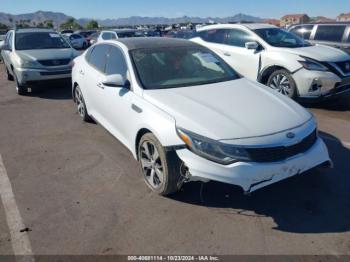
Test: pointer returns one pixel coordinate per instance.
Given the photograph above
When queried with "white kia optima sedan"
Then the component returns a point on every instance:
(187, 116)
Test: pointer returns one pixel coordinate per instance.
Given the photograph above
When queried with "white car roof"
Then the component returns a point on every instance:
(228, 26)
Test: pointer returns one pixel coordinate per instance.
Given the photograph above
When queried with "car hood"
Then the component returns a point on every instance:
(47, 54)
(229, 110)
(320, 53)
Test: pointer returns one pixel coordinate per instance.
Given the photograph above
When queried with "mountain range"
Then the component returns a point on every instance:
(59, 18)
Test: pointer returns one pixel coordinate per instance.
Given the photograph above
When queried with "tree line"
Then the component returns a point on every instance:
(71, 23)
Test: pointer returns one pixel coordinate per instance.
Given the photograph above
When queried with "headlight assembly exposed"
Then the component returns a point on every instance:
(213, 150)
(29, 64)
(24, 63)
(312, 65)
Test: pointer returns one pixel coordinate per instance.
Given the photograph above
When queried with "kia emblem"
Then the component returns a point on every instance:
(290, 135)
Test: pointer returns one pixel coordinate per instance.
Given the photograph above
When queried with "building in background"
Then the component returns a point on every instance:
(293, 19)
(343, 17)
(275, 22)
(322, 19)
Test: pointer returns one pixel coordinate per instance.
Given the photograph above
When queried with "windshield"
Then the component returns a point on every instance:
(41, 40)
(281, 38)
(160, 68)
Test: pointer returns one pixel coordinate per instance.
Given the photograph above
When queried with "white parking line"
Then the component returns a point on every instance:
(344, 143)
(20, 241)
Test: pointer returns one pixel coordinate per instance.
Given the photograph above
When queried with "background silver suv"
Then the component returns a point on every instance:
(35, 55)
(335, 35)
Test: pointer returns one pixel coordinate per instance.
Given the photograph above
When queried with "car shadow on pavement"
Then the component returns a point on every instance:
(315, 202)
(55, 91)
(341, 103)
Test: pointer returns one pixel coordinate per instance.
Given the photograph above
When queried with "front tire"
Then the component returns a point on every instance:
(20, 89)
(81, 106)
(9, 76)
(161, 169)
(283, 82)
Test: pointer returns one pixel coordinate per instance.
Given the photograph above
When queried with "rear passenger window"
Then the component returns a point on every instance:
(330, 33)
(98, 57)
(88, 53)
(236, 37)
(303, 31)
(213, 36)
(116, 63)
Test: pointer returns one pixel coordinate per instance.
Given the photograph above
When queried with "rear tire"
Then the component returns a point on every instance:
(160, 169)
(81, 106)
(283, 82)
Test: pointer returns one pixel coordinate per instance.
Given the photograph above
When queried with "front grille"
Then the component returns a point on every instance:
(344, 66)
(54, 62)
(274, 154)
(342, 86)
(52, 73)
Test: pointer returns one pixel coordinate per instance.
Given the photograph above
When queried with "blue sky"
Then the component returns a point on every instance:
(175, 8)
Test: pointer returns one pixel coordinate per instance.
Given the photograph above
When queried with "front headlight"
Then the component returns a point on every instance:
(312, 65)
(28, 63)
(213, 150)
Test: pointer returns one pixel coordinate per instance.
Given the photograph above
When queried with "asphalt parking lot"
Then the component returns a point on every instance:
(79, 191)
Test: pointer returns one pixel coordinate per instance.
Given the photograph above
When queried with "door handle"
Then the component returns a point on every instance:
(100, 85)
(227, 54)
(136, 108)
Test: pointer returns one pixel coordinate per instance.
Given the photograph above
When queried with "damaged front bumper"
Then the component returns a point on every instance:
(251, 176)
(315, 85)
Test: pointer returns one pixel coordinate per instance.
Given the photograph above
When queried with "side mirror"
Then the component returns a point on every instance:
(252, 45)
(116, 81)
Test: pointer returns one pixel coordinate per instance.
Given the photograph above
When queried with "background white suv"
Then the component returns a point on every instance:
(279, 59)
(116, 34)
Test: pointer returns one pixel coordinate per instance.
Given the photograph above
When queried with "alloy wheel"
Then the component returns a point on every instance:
(79, 102)
(151, 164)
(281, 84)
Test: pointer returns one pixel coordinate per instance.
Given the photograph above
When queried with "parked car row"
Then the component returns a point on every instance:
(84, 39)
(182, 34)
(76, 40)
(335, 35)
(216, 108)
